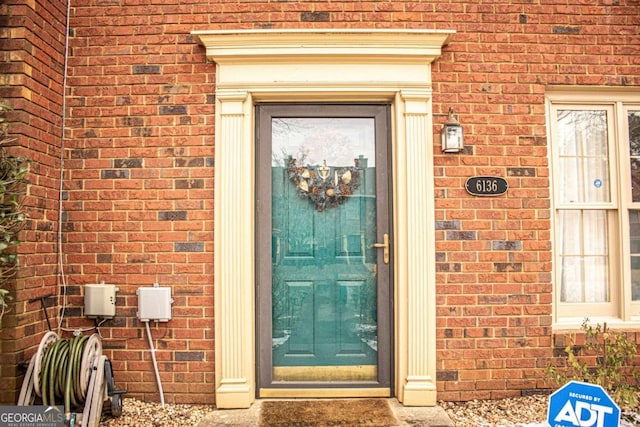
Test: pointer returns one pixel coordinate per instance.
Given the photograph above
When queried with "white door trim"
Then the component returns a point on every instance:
(324, 66)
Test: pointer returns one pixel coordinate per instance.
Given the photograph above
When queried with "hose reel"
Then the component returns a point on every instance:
(74, 372)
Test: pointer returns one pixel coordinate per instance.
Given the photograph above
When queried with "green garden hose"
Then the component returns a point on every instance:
(61, 375)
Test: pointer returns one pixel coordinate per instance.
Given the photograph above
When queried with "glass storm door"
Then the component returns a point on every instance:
(323, 247)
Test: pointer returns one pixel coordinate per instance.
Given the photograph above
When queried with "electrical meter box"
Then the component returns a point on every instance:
(154, 303)
(100, 301)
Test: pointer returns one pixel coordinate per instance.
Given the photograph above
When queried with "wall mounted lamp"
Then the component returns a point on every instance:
(452, 138)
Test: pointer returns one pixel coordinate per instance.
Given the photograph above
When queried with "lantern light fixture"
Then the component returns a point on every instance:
(452, 138)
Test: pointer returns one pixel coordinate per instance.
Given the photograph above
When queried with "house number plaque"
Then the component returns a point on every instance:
(486, 185)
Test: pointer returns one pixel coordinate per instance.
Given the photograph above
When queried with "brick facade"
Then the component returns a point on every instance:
(139, 169)
(32, 38)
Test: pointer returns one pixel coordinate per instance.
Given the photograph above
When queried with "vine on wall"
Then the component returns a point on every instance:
(13, 182)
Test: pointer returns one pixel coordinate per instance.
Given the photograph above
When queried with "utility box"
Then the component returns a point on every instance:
(154, 303)
(100, 301)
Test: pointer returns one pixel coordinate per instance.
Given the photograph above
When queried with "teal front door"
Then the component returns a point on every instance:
(323, 248)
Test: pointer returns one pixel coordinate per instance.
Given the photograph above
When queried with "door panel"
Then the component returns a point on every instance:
(323, 288)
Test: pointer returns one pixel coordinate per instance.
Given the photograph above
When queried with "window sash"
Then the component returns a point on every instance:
(631, 192)
(584, 157)
(583, 254)
(586, 206)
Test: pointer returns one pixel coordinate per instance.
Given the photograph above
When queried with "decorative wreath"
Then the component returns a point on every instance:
(323, 191)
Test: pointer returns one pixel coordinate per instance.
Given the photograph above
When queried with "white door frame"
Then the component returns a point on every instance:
(324, 66)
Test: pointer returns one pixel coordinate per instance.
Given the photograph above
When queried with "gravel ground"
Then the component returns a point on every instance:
(528, 411)
(520, 411)
(136, 413)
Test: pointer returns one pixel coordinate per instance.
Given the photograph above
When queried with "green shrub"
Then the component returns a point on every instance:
(614, 371)
(13, 180)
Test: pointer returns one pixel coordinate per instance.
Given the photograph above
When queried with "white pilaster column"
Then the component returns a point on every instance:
(233, 257)
(416, 250)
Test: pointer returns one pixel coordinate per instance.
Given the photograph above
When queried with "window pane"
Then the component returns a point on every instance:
(584, 255)
(634, 232)
(595, 236)
(572, 279)
(635, 180)
(571, 232)
(634, 133)
(596, 275)
(571, 179)
(584, 159)
(633, 117)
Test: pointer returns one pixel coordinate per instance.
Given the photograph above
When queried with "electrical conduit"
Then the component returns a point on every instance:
(155, 362)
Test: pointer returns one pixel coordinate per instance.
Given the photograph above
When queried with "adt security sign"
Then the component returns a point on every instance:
(578, 404)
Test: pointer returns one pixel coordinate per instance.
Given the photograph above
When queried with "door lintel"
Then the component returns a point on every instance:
(265, 46)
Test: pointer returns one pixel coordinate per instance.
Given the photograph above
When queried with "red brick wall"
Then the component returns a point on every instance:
(31, 70)
(494, 262)
(139, 171)
(141, 167)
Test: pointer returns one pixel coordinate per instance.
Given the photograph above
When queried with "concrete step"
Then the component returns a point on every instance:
(432, 416)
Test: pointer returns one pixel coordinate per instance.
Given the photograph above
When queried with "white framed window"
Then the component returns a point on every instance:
(632, 125)
(595, 160)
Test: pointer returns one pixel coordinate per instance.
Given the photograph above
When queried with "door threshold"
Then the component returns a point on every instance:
(323, 392)
(345, 373)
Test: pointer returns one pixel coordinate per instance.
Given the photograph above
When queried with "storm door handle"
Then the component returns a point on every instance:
(385, 246)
